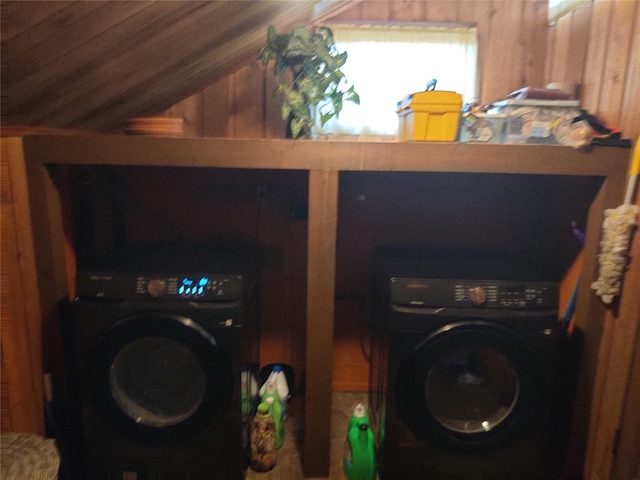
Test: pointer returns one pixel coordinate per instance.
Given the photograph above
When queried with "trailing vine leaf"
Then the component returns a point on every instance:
(316, 82)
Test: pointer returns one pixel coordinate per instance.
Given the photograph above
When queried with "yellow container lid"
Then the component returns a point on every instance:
(431, 97)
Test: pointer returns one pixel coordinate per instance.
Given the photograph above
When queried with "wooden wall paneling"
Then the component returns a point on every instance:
(41, 38)
(442, 11)
(121, 37)
(241, 38)
(48, 56)
(616, 62)
(295, 267)
(243, 43)
(550, 53)
(321, 268)
(630, 114)
(533, 42)
(567, 50)
(351, 13)
(167, 50)
(357, 215)
(627, 459)
(94, 64)
(68, 74)
(579, 40)
(49, 246)
(275, 126)
(614, 369)
(16, 20)
(248, 102)
(351, 345)
(379, 10)
(277, 340)
(407, 11)
(501, 66)
(190, 110)
(235, 38)
(590, 317)
(217, 102)
(5, 409)
(596, 54)
(479, 13)
(283, 274)
(562, 51)
(21, 330)
(588, 468)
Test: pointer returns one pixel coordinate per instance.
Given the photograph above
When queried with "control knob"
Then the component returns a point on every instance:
(156, 287)
(477, 295)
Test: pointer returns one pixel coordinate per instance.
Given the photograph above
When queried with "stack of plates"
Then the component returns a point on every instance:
(154, 126)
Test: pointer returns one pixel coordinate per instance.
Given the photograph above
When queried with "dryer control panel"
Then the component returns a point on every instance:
(177, 286)
(500, 294)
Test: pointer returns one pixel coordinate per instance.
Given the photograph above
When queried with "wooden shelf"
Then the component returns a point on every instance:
(324, 155)
(324, 161)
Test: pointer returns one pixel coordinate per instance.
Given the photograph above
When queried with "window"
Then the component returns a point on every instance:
(386, 63)
(559, 8)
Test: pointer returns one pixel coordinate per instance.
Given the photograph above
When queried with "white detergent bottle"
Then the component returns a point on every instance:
(282, 387)
(278, 378)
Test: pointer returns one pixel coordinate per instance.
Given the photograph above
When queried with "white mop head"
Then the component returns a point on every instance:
(618, 226)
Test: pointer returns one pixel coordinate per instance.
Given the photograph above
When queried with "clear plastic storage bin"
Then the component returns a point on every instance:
(534, 121)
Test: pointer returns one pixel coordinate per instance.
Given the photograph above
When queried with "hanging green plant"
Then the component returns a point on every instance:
(317, 84)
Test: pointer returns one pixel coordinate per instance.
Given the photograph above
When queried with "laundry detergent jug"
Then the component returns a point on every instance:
(359, 449)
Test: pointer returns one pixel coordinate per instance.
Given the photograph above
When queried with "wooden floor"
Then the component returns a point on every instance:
(289, 464)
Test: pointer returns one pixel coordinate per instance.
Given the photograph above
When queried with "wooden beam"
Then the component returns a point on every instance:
(614, 364)
(595, 322)
(21, 318)
(311, 155)
(321, 269)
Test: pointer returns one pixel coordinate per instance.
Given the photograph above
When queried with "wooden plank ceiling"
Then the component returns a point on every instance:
(93, 64)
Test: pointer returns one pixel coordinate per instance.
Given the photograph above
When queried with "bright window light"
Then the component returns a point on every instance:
(559, 8)
(387, 63)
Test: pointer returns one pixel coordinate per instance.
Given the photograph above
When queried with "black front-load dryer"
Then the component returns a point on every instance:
(156, 363)
(463, 370)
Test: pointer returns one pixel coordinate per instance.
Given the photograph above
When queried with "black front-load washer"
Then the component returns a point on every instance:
(464, 361)
(157, 361)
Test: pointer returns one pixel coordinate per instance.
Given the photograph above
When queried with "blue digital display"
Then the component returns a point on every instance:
(190, 286)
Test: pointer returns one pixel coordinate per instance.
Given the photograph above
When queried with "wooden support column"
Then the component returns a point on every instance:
(593, 319)
(22, 388)
(321, 269)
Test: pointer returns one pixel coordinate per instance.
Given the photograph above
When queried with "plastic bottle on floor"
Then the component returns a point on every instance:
(263, 440)
(359, 448)
(271, 398)
(278, 378)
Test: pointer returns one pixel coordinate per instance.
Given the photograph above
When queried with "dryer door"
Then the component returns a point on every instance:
(161, 376)
(468, 384)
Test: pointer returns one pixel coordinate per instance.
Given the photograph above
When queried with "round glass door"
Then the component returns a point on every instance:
(161, 376)
(157, 381)
(466, 384)
(471, 390)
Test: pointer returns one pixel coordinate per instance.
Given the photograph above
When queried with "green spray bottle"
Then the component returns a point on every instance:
(359, 448)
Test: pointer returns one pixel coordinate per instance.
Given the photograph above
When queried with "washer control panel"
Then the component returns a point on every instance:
(192, 287)
(179, 286)
(499, 294)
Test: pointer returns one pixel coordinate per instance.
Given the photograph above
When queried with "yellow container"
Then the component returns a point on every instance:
(430, 116)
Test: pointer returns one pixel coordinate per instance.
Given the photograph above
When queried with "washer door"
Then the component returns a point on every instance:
(161, 376)
(468, 384)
